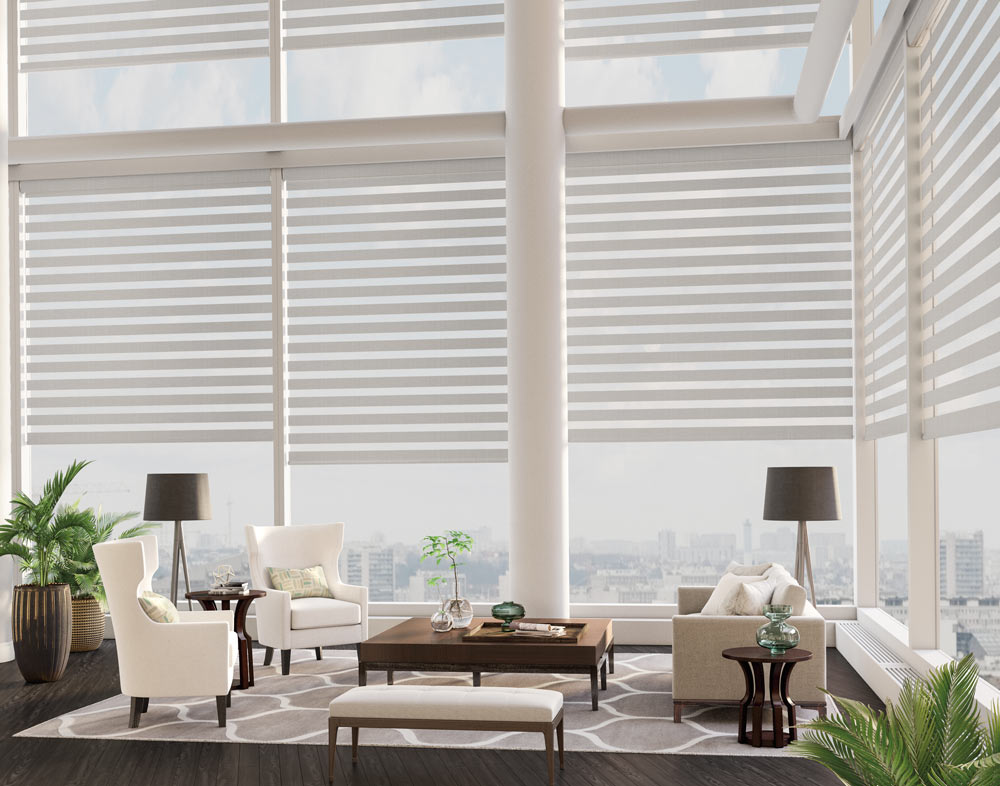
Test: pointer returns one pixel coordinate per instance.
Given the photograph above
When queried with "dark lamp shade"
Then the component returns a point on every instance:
(801, 494)
(177, 497)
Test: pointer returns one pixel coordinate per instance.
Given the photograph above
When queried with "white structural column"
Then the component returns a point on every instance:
(921, 457)
(865, 465)
(8, 338)
(536, 307)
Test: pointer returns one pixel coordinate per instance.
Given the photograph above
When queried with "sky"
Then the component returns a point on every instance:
(615, 490)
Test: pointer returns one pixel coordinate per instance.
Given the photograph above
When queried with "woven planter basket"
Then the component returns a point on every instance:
(88, 625)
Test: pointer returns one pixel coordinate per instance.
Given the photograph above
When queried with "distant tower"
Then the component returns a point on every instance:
(747, 542)
(229, 521)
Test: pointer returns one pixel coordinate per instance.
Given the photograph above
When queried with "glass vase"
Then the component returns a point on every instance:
(457, 606)
(441, 620)
(777, 635)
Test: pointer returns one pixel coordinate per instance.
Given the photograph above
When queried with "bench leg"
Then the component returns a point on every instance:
(354, 745)
(389, 677)
(559, 739)
(477, 679)
(333, 750)
(548, 756)
(286, 662)
(319, 653)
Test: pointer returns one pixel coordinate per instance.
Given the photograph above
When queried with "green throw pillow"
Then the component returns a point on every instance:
(301, 582)
(158, 608)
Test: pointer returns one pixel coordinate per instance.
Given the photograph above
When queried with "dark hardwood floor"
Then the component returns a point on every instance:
(94, 676)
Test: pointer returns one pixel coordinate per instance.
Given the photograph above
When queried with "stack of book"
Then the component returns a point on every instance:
(538, 630)
(230, 588)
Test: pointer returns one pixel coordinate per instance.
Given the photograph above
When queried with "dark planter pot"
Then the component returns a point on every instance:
(42, 623)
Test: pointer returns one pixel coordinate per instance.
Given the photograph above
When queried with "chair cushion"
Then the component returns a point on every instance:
(740, 569)
(738, 595)
(323, 613)
(301, 582)
(448, 702)
(787, 590)
(158, 608)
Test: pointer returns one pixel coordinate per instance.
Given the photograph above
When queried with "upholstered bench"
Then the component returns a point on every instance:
(453, 707)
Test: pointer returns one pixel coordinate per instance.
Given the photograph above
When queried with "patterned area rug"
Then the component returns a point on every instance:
(635, 714)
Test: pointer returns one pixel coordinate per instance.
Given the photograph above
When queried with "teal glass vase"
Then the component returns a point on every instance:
(507, 612)
(777, 635)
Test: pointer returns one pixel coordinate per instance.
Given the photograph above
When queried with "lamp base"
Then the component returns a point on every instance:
(803, 561)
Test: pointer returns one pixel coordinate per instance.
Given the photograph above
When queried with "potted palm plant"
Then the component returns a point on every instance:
(36, 533)
(932, 736)
(77, 567)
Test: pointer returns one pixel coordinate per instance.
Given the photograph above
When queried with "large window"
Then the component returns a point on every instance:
(647, 518)
(893, 535)
(970, 549)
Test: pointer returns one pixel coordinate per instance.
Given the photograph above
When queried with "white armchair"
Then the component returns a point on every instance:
(304, 623)
(192, 657)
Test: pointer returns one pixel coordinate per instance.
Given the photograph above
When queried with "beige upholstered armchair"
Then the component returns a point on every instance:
(703, 676)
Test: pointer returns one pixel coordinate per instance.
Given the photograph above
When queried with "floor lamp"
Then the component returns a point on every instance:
(177, 497)
(802, 494)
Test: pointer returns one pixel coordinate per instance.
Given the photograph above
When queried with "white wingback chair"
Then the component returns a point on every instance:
(192, 657)
(304, 623)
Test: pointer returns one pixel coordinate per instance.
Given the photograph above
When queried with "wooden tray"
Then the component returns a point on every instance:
(492, 631)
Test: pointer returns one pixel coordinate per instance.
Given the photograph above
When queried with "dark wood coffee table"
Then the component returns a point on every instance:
(243, 600)
(413, 646)
(752, 660)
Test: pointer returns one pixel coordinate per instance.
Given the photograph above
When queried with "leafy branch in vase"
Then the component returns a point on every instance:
(448, 546)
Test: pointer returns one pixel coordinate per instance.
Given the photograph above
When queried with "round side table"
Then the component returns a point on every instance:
(243, 600)
(752, 660)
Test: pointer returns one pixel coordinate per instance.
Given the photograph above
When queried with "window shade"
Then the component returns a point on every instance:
(881, 194)
(133, 32)
(397, 313)
(147, 309)
(597, 31)
(709, 293)
(318, 24)
(960, 188)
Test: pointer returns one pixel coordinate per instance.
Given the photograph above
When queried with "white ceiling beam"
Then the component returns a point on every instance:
(486, 127)
(829, 34)
(897, 17)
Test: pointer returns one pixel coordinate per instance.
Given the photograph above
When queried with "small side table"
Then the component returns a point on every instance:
(752, 660)
(243, 600)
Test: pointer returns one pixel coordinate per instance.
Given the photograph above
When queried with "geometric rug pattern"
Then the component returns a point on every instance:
(635, 715)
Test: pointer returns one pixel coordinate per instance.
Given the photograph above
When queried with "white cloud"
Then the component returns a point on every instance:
(631, 80)
(741, 74)
(385, 81)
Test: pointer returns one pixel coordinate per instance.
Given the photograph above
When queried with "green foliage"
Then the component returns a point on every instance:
(37, 531)
(932, 736)
(446, 547)
(76, 564)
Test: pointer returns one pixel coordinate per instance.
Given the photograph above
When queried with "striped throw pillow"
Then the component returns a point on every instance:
(301, 582)
(158, 608)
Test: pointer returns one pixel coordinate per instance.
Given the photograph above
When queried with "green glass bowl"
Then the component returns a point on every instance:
(507, 612)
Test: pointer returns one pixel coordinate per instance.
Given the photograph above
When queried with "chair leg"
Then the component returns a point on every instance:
(548, 756)
(354, 744)
(319, 653)
(229, 698)
(333, 750)
(268, 655)
(135, 710)
(220, 707)
(286, 662)
(559, 740)
(145, 705)
(678, 708)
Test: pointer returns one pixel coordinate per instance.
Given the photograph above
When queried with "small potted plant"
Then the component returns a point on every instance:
(447, 548)
(77, 567)
(42, 620)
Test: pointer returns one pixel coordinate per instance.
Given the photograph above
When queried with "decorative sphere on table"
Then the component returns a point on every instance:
(777, 635)
(507, 612)
(222, 575)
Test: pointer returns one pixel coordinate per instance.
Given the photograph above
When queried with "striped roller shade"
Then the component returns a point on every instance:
(710, 293)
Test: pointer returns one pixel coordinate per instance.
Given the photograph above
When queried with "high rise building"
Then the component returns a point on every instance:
(668, 545)
(962, 564)
(747, 542)
(373, 567)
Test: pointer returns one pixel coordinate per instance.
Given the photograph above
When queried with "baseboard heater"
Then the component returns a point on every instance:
(883, 670)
